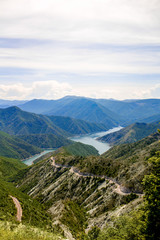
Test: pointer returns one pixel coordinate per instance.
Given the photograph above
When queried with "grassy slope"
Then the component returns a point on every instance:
(11, 146)
(34, 213)
(10, 166)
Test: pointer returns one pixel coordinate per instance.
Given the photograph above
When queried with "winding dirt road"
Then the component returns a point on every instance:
(19, 209)
(119, 189)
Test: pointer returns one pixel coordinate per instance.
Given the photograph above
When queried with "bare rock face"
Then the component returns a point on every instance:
(65, 192)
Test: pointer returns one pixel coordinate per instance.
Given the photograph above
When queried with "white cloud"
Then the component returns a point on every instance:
(104, 21)
(152, 92)
(38, 89)
(54, 90)
(87, 37)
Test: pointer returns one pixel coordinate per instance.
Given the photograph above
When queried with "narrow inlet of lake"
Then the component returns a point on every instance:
(30, 160)
(90, 139)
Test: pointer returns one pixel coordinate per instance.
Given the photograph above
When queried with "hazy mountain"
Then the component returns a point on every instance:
(131, 133)
(13, 147)
(133, 110)
(8, 103)
(74, 107)
(38, 106)
(88, 110)
(153, 118)
(108, 111)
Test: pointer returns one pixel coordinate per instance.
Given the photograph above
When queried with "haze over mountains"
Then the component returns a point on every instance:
(107, 111)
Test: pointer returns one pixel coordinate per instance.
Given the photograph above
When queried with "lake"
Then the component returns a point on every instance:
(30, 160)
(87, 139)
(91, 139)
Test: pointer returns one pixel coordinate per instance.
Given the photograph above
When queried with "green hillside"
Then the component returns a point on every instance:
(76, 126)
(36, 222)
(11, 146)
(80, 149)
(10, 166)
(76, 190)
(131, 133)
(45, 140)
(17, 122)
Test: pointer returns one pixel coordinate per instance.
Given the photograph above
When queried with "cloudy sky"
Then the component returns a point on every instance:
(94, 48)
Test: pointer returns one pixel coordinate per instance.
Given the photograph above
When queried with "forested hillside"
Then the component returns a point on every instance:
(131, 133)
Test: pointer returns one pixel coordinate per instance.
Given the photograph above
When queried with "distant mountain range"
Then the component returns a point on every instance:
(131, 133)
(107, 111)
(75, 107)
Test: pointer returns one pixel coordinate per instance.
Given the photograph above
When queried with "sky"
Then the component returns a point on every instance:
(93, 48)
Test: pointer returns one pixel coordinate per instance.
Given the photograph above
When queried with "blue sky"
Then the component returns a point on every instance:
(93, 48)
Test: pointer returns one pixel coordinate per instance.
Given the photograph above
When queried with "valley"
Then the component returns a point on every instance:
(78, 177)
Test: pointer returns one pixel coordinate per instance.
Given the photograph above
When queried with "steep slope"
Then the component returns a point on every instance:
(45, 140)
(36, 222)
(74, 201)
(76, 189)
(133, 110)
(17, 122)
(76, 126)
(88, 110)
(10, 166)
(80, 149)
(14, 147)
(131, 133)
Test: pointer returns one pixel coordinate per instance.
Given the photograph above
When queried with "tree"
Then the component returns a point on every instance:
(152, 199)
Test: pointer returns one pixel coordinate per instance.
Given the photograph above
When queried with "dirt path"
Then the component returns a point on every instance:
(19, 208)
(119, 189)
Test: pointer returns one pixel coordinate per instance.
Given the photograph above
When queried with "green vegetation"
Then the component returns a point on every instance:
(76, 126)
(9, 167)
(152, 199)
(14, 121)
(126, 163)
(13, 147)
(34, 213)
(45, 140)
(80, 149)
(128, 226)
(131, 133)
(74, 217)
(10, 231)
